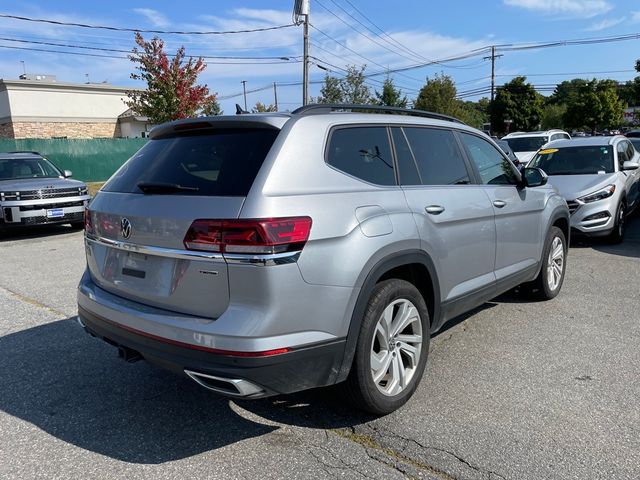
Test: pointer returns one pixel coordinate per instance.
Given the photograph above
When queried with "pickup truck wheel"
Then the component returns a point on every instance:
(391, 352)
(554, 264)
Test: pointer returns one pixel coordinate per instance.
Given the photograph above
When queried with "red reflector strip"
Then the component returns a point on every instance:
(217, 351)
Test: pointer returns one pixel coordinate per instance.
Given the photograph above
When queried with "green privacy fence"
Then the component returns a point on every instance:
(91, 160)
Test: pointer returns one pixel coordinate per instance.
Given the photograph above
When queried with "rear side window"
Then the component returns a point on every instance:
(216, 163)
(363, 152)
(437, 156)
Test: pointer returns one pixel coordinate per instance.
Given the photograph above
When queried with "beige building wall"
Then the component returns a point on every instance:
(39, 109)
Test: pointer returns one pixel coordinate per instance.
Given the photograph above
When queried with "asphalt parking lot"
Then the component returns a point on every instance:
(514, 390)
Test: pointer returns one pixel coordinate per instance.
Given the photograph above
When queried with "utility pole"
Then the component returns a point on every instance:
(275, 95)
(493, 70)
(244, 92)
(305, 62)
(301, 13)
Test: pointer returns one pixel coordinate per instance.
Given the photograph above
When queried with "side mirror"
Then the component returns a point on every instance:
(68, 174)
(534, 177)
(628, 165)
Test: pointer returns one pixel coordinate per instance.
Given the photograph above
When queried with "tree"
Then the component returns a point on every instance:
(350, 89)
(262, 108)
(566, 90)
(390, 95)
(330, 91)
(438, 95)
(518, 102)
(474, 114)
(553, 116)
(172, 92)
(594, 105)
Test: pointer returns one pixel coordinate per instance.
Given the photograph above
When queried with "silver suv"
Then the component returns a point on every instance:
(271, 253)
(599, 178)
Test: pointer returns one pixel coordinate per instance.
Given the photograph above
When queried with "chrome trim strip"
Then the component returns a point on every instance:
(158, 251)
(265, 260)
(262, 260)
(45, 201)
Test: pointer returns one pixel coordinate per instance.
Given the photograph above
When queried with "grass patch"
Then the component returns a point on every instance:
(94, 187)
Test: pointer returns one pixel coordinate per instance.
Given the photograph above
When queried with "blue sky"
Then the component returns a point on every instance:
(393, 35)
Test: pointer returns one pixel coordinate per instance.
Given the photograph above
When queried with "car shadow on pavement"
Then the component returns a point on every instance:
(25, 233)
(630, 247)
(74, 387)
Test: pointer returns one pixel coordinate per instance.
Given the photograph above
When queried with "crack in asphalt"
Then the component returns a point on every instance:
(396, 459)
(32, 301)
(387, 433)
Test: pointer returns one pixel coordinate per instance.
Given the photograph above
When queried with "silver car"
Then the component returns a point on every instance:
(33, 191)
(599, 178)
(269, 253)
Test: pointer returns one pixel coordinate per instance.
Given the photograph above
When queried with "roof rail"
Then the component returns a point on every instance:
(332, 107)
(26, 151)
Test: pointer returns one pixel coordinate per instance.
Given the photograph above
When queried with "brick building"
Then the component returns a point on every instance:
(42, 108)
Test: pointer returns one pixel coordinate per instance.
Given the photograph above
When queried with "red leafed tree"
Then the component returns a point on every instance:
(172, 92)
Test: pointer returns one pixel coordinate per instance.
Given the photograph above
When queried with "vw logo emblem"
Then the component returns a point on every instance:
(125, 228)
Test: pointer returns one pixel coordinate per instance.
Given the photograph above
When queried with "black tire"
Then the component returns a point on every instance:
(540, 287)
(359, 388)
(620, 224)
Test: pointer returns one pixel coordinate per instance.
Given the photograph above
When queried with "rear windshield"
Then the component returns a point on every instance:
(526, 144)
(220, 163)
(584, 160)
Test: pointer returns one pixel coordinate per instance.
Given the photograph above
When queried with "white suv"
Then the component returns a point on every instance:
(526, 144)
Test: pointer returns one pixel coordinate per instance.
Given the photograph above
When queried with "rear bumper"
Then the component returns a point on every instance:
(299, 369)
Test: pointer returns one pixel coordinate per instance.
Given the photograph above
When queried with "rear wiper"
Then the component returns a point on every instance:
(153, 187)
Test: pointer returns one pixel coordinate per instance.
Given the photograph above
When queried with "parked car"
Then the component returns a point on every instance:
(635, 141)
(599, 178)
(632, 134)
(504, 145)
(264, 254)
(33, 191)
(526, 144)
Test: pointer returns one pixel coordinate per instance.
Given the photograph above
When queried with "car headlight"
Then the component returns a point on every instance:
(601, 194)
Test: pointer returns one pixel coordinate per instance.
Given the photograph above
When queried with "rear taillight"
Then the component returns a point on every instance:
(88, 225)
(261, 236)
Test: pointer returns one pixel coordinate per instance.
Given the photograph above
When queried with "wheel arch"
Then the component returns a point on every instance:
(414, 266)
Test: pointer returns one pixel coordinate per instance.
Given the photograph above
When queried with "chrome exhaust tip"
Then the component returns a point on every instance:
(235, 387)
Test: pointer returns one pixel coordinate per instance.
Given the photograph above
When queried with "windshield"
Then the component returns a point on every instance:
(16, 168)
(636, 143)
(526, 144)
(584, 160)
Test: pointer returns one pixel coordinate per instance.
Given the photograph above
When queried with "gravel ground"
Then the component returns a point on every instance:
(512, 390)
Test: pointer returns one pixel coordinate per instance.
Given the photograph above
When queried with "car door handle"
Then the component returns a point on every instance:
(499, 203)
(434, 209)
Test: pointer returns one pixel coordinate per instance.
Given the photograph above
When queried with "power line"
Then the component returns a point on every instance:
(354, 52)
(86, 54)
(359, 32)
(125, 29)
(67, 45)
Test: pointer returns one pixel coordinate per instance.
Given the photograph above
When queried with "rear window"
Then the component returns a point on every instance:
(219, 163)
(526, 144)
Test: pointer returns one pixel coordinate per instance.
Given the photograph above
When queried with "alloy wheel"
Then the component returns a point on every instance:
(555, 263)
(396, 347)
